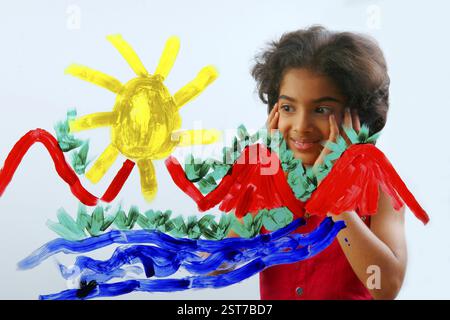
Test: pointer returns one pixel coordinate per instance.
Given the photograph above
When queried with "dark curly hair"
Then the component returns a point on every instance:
(353, 61)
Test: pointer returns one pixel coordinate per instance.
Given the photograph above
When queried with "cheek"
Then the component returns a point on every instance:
(283, 125)
(323, 126)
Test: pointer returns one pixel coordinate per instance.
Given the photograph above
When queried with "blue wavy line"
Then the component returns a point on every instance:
(158, 262)
(155, 237)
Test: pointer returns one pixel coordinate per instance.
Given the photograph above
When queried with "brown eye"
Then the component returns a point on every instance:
(286, 107)
(324, 110)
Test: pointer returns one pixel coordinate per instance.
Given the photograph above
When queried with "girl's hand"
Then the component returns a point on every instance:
(272, 120)
(334, 132)
(351, 120)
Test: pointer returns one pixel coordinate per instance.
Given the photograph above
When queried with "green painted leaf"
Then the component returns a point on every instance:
(133, 215)
(242, 132)
(351, 134)
(143, 222)
(207, 185)
(248, 220)
(79, 158)
(373, 138)
(67, 221)
(121, 220)
(363, 134)
(108, 222)
(64, 232)
(241, 230)
(205, 221)
(97, 220)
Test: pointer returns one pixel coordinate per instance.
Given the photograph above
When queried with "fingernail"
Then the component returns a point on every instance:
(347, 110)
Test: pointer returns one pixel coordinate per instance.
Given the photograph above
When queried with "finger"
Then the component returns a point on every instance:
(274, 123)
(274, 108)
(272, 114)
(334, 132)
(334, 128)
(348, 124)
(356, 121)
(348, 118)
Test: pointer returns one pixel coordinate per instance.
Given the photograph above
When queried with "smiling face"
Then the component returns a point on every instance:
(305, 103)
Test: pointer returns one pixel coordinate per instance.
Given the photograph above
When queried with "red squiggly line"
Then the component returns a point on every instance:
(62, 167)
(239, 189)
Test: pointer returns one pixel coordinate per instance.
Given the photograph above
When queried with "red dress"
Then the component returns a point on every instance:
(326, 276)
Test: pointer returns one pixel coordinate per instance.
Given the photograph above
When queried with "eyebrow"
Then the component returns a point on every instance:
(320, 100)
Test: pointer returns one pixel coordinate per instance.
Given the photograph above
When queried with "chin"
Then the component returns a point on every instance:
(307, 160)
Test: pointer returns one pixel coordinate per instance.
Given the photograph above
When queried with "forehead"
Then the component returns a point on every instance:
(306, 85)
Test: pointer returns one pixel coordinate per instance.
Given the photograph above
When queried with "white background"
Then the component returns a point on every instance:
(40, 39)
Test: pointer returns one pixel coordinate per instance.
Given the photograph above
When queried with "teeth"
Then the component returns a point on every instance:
(303, 145)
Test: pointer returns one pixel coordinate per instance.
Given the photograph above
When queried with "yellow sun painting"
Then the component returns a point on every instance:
(145, 121)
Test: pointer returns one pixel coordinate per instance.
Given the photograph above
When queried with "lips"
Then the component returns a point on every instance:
(303, 145)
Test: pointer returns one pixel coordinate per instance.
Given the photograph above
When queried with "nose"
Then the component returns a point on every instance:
(303, 122)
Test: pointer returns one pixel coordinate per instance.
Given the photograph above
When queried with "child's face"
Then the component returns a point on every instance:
(305, 103)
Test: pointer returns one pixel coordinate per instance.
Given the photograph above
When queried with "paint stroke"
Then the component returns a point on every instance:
(63, 169)
(154, 237)
(163, 262)
(267, 254)
(246, 188)
(353, 182)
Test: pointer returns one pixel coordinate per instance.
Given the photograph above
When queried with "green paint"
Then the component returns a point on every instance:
(98, 222)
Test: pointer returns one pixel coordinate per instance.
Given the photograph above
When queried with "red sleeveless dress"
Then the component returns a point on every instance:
(326, 276)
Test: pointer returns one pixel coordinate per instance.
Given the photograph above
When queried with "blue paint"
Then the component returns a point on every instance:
(161, 256)
(154, 237)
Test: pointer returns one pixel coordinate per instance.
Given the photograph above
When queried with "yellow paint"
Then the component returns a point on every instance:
(145, 122)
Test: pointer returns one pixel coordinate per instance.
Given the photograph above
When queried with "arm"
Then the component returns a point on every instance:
(383, 246)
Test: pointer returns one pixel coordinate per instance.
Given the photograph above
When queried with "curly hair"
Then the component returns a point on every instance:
(353, 61)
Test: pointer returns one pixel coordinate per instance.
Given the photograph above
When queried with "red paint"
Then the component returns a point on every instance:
(352, 185)
(118, 181)
(326, 276)
(62, 167)
(245, 188)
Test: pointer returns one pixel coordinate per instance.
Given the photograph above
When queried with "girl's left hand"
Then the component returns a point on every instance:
(351, 120)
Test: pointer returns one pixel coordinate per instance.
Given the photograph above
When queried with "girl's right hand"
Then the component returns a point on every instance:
(272, 120)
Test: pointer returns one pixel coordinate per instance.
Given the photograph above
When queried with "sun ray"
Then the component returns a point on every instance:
(149, 185)
(103, 163)
(168, 57)
(128, 54)
(91, 121)
(205, 77)
(196, 137)
(94, 76)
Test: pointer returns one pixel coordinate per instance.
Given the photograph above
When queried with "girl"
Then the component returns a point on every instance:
(314, 81)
